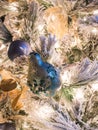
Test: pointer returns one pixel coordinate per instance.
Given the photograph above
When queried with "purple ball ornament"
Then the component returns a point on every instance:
(18, 48)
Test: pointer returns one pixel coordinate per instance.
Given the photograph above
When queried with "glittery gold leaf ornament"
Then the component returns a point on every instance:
(11, 88)
(57, 21)
(16, 96)
(8, 82)
(12, 0)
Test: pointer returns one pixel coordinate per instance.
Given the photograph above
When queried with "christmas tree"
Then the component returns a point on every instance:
(64, 33)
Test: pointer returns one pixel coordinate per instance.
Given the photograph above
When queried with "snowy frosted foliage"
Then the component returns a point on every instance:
(80, 73)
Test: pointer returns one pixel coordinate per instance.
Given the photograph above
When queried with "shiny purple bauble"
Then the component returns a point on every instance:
(18, 48)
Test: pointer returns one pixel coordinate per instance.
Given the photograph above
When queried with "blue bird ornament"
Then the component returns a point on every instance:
(42, 76)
